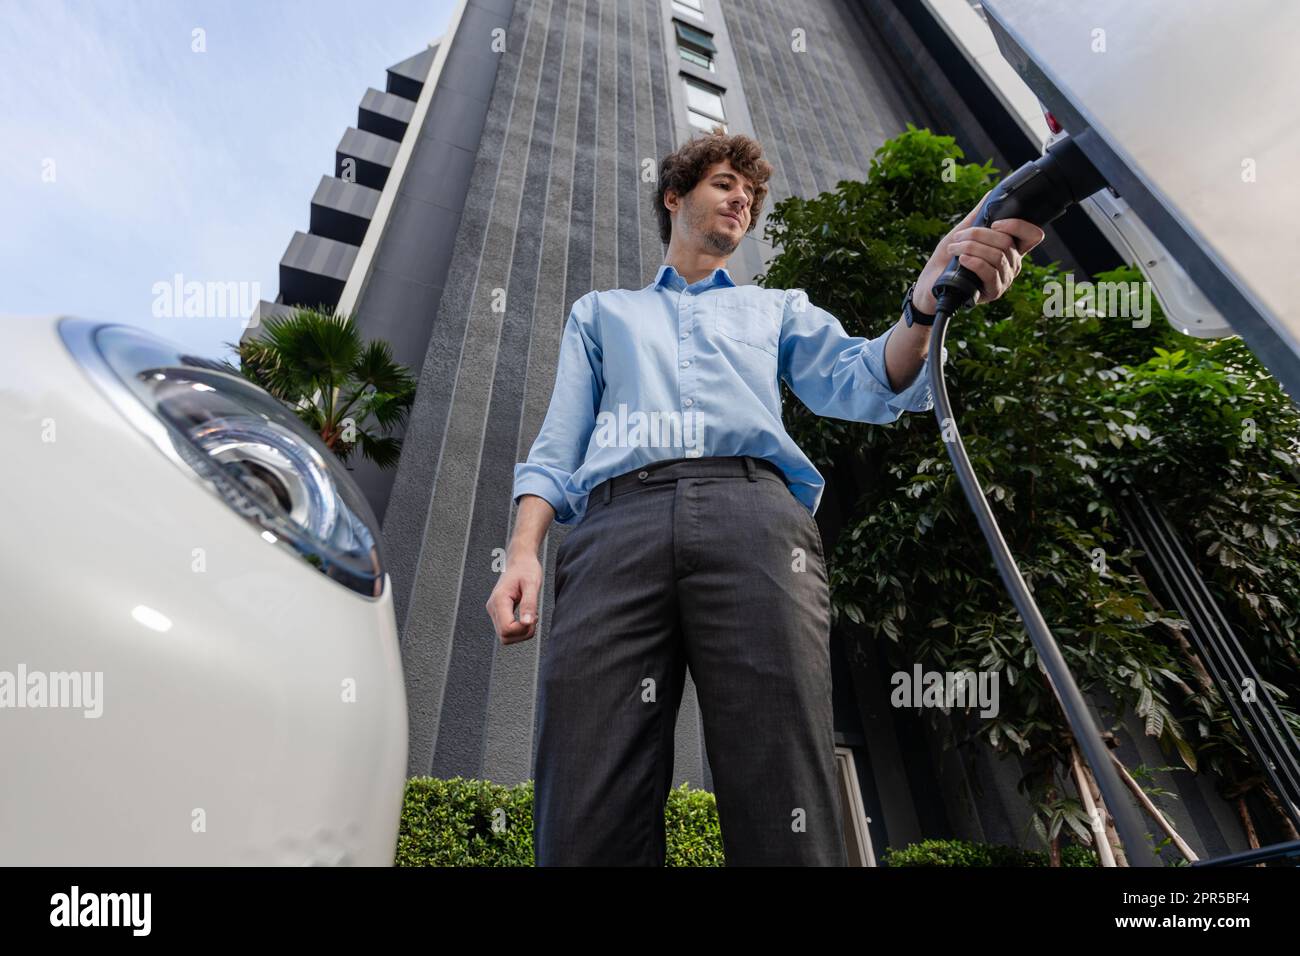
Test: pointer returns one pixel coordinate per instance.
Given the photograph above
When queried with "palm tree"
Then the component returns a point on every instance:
(349, 392)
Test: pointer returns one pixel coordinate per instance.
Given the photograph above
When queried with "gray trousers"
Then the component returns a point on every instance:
(711, 564)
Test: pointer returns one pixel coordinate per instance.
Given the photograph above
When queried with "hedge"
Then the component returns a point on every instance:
(966, 853)
(463, 822)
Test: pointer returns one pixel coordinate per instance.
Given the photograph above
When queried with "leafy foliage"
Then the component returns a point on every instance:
(462, 822)
(931, 853)
(1056, 411)
(349, 392)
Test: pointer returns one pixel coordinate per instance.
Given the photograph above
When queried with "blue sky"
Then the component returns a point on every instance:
(128, 157)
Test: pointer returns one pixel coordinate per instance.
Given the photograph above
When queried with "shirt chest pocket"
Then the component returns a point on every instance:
(756, 324)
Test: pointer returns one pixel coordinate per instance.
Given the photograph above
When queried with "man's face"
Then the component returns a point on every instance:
(716, 213)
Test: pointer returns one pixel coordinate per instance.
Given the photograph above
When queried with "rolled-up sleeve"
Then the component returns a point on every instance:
(561, 443)
(838, 375)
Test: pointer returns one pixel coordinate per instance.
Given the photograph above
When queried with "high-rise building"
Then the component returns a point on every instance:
(508, 169)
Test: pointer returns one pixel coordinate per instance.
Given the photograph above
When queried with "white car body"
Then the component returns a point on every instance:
(252, 710)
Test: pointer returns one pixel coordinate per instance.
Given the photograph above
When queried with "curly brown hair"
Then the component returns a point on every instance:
(683, 169)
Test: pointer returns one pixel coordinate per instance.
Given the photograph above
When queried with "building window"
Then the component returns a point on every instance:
(695, 46)
(692, 8)
(700, 60)
(703, 104)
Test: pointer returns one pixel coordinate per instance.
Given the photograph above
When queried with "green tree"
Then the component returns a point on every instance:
(349, 392)
(1054, 412)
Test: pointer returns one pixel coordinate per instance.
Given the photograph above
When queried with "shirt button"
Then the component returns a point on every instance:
(684, 334)
(689, 402)
(643, 475)
(686, 362)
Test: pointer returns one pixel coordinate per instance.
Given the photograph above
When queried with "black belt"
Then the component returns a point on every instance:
(739, 466)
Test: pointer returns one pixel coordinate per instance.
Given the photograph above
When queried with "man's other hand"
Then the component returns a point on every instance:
(519, 584)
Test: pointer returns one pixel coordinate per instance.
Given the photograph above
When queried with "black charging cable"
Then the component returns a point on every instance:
(1039, 192)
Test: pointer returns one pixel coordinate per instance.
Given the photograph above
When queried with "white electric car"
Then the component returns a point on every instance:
(199, 660)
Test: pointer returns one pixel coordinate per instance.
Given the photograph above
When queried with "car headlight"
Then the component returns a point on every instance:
(241, 443)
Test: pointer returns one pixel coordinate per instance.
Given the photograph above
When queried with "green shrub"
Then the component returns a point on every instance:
(450, 823)
(460, 822)
(966, 853)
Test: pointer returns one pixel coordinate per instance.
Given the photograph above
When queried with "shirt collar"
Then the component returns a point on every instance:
(667, 276)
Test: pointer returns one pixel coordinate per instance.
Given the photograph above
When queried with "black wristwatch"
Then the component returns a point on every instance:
(913, 315)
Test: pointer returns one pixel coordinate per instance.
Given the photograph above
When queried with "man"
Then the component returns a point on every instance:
(698, 548)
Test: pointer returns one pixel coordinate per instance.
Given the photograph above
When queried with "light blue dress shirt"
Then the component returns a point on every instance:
(683, 371)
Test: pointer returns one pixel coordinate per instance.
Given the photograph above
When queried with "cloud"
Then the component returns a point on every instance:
(91, 110)
(167, 160)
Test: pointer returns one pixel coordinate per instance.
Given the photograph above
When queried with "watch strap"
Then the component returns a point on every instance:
(911, 313)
